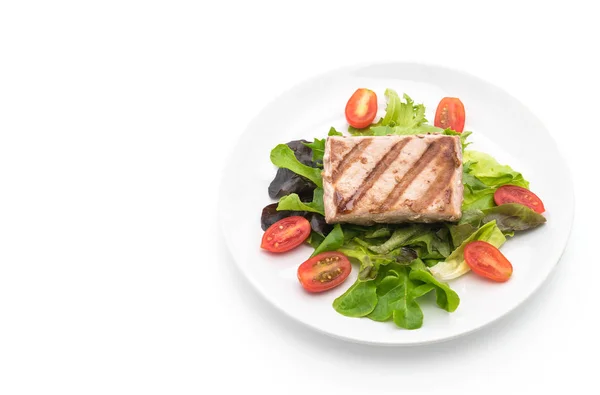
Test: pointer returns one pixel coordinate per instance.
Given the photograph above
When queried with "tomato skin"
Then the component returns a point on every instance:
(450, 113)
(286, 234)
(515, 194)
(361, 108)
(324, 271)
(487, 261)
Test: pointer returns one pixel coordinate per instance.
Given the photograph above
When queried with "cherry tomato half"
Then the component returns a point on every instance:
(515, 194)
(487, 261)
(324, 271)
(450, 113)
(361, 109)
(286, 234)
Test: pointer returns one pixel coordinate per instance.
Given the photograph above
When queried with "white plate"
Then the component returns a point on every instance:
(501, 126)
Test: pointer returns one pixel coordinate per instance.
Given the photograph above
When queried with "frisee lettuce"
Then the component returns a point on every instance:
(401, 118)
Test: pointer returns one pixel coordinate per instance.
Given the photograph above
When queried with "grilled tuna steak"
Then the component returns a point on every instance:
(392, 179)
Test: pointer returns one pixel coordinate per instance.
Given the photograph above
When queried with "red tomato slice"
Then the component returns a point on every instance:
(515, 194)
(487, 261)
(361, 109)
(450, 113)
(286, 234)
(324, 271)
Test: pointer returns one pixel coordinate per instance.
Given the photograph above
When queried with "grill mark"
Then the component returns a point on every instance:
(352, 156)
(428, 155)
(444, 177)
(448, 196)
(386, 161)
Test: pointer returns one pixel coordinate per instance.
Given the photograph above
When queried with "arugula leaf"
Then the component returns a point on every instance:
(292, 202)
(332, 241)
(359, 300)
(282, 156)
(512, 217)
(455, 265)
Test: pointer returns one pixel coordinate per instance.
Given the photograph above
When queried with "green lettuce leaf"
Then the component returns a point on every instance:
(445, 297)
(358, 301)
(318, 145)
(396, 295)
(398, 239)
(292, 202)
(463, 136)
(333, 132)
(283, 156)
(408, 314)
(468, 224)
(512, 217)
(315, 239)
(455, 266)
(401, 118)
(318, 149)
(389, 292)
(369, 267)
(378, 232)
(482, 175)
(363, 132)
(404, 130)
(492, 173)
(333, 241)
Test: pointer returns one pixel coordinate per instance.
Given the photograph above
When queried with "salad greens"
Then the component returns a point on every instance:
(400, 263)
(512, 217)
(455, 266)
(332, 242)
(318, 146)
(482, 175)
(292, 202)
(283, 156)
(402, 118)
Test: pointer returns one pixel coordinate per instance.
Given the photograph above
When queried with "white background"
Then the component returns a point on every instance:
(116, 118)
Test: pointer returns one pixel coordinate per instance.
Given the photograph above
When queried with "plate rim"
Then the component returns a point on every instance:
(358, 65)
